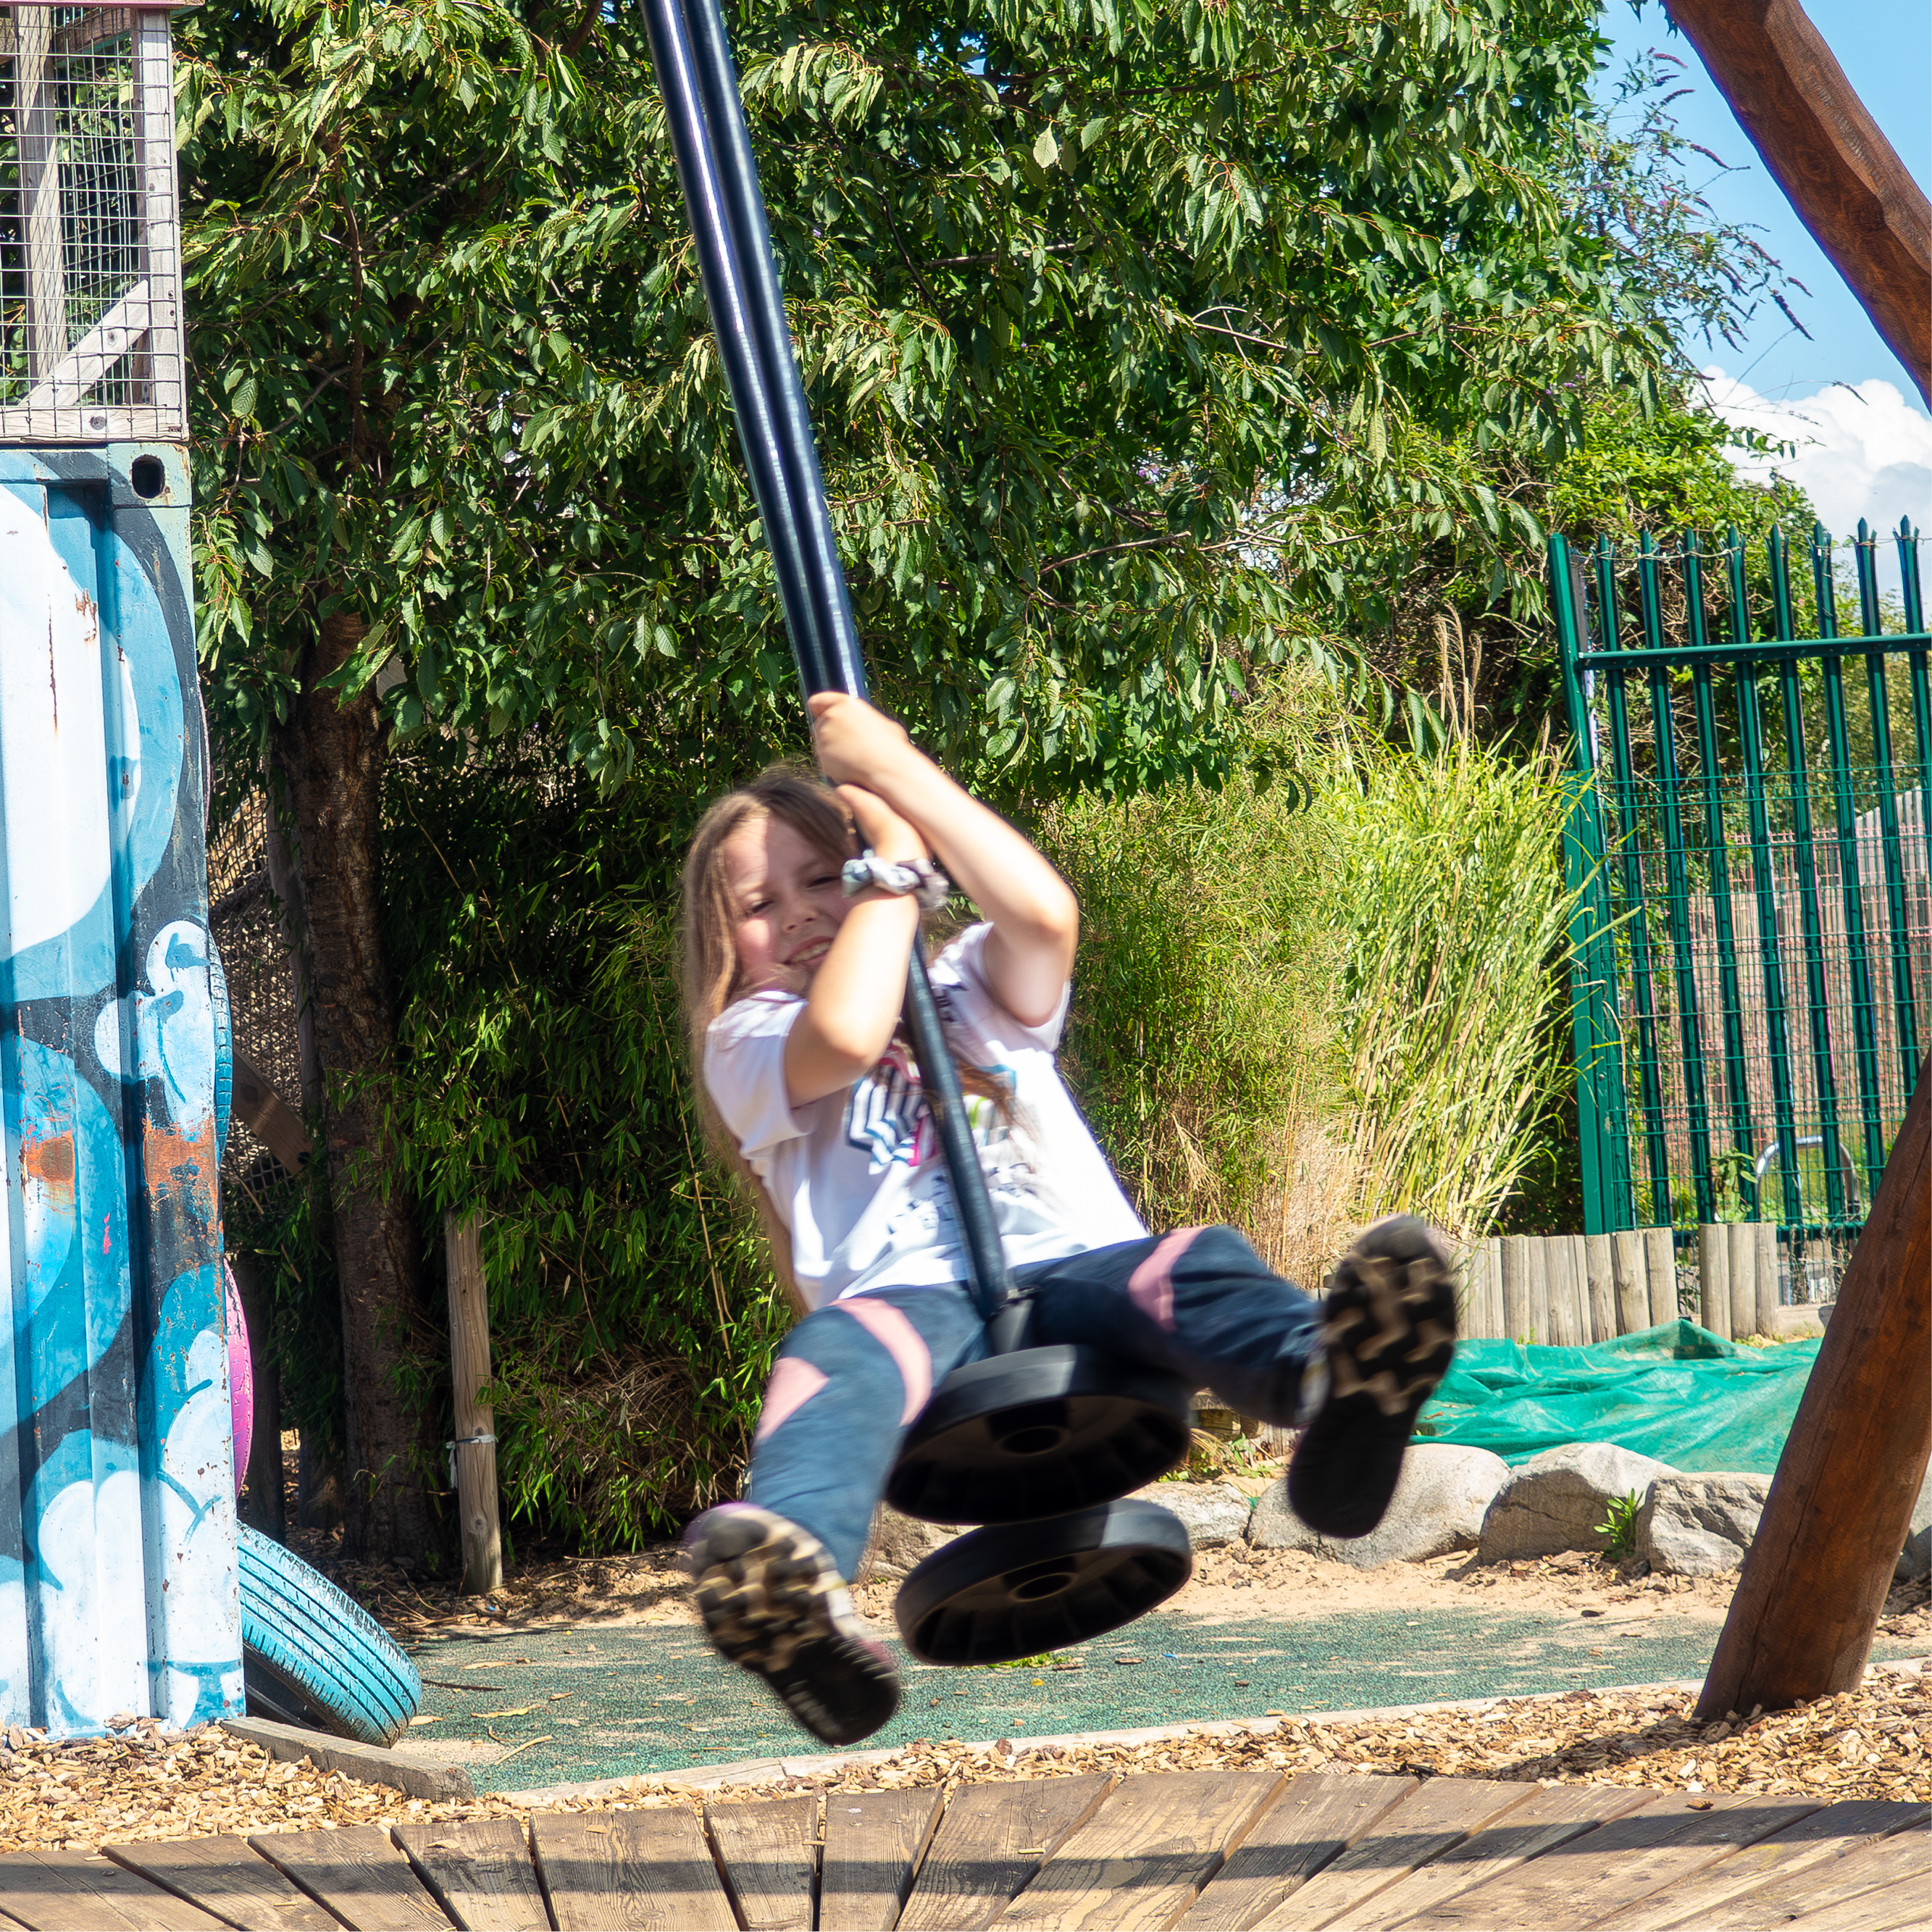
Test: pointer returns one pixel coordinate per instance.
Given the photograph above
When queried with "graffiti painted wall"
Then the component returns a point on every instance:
(117, 1578)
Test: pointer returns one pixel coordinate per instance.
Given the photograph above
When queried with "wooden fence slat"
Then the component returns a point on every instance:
(1768, 1302)
(1141, 1859)
(991, 1839)
(874, 1841)
(1549, 1818)
(1493, 1248)
(1517, 1317)
(1472, 1309)
(226, 1877)
(1311, 1824)
(1599, 1271)
(629, 1871)
(1741, 1265)
(1569, 1313)
(768, 1859)
(1714, 1280)
(1659, 1274)
(1741, 1891)
(1669, 1838)
(1632, 1290)
(359, 1874)
(1443, 1813)
(481, 1873)
(57, 1891)
(1902, 1857)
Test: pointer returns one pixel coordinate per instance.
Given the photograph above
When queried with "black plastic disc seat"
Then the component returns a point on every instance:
(995, 1595)
(1040, 1432)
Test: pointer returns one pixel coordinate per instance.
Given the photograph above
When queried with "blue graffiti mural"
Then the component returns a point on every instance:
(117, 1574)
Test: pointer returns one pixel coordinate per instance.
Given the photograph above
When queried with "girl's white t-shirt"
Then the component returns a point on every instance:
(858, 1177)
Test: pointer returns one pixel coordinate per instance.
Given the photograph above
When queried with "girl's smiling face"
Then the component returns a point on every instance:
(789, 900)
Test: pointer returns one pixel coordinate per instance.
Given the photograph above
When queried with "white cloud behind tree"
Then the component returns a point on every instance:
(1858, 450)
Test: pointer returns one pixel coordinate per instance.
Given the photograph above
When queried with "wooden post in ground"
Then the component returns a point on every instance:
(475, 1421)
(1815, 1577)
(1713, 1279)
(1660, 1272)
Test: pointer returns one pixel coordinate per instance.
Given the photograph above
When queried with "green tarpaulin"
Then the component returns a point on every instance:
(1678, 1393)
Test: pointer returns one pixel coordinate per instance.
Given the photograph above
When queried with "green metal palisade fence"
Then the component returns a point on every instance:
(1751, 831)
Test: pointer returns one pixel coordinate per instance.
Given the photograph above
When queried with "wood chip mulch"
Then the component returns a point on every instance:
(1875, 1742)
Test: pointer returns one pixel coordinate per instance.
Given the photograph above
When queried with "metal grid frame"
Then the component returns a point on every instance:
(91, 348)
(1751, 837)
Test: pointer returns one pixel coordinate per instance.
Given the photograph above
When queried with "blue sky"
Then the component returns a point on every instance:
(1862, 438)
(1885, 48)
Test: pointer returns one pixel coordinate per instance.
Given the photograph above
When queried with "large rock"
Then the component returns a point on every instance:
(1917, 1560)
(1555, 1501)
(1699, 1525)
(1438, 1506)
(899, 1544)
(1215, 1513)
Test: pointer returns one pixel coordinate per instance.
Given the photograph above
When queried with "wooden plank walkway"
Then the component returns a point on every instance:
(1205, 1851)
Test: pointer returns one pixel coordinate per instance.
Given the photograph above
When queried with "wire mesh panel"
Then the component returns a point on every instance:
(1758, 930)
(91, 347)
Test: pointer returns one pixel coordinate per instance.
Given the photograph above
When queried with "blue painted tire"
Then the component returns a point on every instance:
(313, 1656)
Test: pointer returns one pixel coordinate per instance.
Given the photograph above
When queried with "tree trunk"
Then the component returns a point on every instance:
(331, 756)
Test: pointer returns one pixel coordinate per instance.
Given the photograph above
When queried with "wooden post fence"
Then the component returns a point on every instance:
(475, 1449)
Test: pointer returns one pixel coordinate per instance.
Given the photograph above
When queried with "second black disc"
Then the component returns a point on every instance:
(1015, 1589)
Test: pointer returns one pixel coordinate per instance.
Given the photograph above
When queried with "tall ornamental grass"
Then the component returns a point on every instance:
(1453, 989)
(1303, 1004)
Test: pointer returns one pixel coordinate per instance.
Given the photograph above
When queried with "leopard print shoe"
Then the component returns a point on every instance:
(773, 1602)
(1389, 1330)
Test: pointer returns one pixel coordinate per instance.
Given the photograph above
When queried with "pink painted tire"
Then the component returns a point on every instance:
(241, 1378)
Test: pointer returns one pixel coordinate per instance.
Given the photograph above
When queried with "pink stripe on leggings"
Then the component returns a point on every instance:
(1150, 1286)
(901, 1341)
(793, 1384)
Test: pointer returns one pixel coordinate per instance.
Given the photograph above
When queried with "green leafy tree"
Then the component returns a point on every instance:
(1118, 320)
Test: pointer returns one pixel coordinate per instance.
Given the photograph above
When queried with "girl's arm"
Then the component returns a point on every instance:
(1036, 919)
(852, 1003)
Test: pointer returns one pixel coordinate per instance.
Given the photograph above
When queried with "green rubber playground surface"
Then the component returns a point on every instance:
(589, 1703)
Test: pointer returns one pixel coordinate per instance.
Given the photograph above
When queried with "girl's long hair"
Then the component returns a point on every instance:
(711, 979)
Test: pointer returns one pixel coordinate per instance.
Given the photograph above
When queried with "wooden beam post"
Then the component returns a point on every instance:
(1815, 1577)
(475, 1449)
(1840, 175)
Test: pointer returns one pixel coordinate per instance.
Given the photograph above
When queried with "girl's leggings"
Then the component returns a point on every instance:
(852, 1375)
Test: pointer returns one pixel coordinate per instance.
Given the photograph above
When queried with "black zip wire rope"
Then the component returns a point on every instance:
(706, 120)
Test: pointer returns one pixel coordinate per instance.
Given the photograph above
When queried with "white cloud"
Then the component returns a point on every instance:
(1861, 452)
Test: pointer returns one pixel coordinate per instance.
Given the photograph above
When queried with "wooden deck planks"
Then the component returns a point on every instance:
(1532, 1830)
(480, 1872)
(874, 1841)
(1142, 1856)
(990, 1840)
(67, 1892)
(1669, 1839)
(228, 1877)
(768, 1857)
(1869, 1874)
(629, 1871)
(1311, 1824)
(1730, 1894)
(359, 1874)
(1441, 1813)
